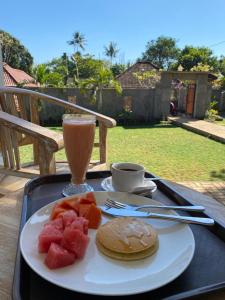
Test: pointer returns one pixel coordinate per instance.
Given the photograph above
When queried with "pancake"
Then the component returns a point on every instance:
(129, 256)
(126, 236)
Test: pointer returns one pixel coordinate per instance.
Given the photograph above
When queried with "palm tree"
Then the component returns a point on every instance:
(103, 79)
(78, 42)
(111, 51)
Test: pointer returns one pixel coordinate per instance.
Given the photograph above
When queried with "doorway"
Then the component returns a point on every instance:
(190, 99)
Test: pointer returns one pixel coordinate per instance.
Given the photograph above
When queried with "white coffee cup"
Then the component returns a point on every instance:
(127, 176)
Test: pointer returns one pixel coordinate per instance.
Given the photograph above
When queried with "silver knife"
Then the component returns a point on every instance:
(139, 214)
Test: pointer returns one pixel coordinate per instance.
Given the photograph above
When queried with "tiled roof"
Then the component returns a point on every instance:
(127, 79)
(12, 77)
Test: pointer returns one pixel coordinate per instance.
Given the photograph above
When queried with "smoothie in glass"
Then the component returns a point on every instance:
(78, 134)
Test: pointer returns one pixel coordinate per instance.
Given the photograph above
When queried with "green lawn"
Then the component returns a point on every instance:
(221, 122)
(165, 150)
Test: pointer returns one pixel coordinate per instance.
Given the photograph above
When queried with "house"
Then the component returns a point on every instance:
(127, 79)
(15, 77)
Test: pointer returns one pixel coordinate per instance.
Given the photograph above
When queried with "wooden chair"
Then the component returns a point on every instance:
(19, 125)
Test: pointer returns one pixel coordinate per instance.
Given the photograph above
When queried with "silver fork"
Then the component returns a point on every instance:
(117, 204)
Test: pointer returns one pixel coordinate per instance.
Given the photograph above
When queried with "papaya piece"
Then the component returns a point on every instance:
(90, 197)
(92, 213)
(83, 210)
(57, 209)
(86, 201)
(71, 204)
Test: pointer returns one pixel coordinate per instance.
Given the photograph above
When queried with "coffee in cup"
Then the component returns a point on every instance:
(127, 176)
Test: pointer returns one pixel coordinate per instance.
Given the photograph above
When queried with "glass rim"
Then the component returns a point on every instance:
(79, 117)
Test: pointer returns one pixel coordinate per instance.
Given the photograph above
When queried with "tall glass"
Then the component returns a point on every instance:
(78, 135)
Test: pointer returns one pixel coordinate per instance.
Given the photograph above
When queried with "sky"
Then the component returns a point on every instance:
(45, 26)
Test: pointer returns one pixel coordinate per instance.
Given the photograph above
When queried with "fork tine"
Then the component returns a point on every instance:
(108, 205)
(115, 203)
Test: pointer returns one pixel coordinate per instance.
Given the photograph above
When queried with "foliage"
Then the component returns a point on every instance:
(39, 72)
(88, 66)
(117, 69)
(202, 68)
(222, 82)
(103, 79)
(221, 65)
(78, 41)
(111, 51)
(14, 53)
(54, 79)
(126, 117)
(163, 52)
(147, 79)
(46, 77)
(212, 112)
(62, 65)
(193, 56)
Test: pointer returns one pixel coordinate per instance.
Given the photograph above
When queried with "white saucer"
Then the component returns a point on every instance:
(107, 185)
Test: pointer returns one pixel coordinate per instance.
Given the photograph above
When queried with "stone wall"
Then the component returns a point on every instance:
(135, 104)
(143, 107)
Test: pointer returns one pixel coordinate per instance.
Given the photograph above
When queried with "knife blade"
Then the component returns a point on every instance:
(122, 212)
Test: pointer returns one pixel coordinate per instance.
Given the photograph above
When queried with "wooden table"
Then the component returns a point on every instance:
(10, 209)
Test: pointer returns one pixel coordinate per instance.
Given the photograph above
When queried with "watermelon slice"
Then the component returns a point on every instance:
(75, 241)
(68, 217)
(58, 257)
(49, 235)
(57, 223)
(81, 224)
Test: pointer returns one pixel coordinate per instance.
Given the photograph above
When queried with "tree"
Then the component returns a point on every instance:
(62, 65)
(117, 69)
(78, 42)
(104, 79)
(163, 52)
(192, 56)
(111, 51)
(46, 77)
(14, 53)
(40, 72)
(88, 66)
(221, 65)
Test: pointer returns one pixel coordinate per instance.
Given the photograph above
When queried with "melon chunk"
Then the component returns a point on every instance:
(68, 217)
(75, 241)
(58, 257)
(49, 235)
(81, 224)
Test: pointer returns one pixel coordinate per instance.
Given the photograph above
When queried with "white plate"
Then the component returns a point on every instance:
(106, 184)
(100, 275)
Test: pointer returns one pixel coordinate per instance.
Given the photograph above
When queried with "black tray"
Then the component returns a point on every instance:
(205, 274)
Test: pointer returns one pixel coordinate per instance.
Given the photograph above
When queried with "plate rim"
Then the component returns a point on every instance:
(123, 293)
(113, 190)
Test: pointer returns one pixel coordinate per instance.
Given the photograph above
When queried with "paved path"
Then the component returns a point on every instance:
(202, 127)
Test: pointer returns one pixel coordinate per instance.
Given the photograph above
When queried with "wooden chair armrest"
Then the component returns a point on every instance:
(53, 140)
(107, 121)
